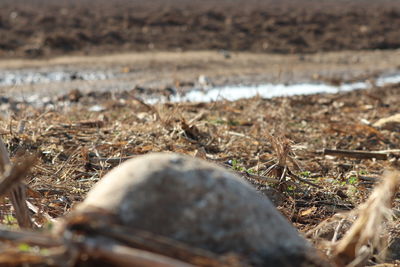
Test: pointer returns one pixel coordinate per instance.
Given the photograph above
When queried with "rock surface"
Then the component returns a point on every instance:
(200, 204)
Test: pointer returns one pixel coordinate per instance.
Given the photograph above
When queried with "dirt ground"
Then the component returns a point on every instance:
(158, 72)
(75, 147)
(153, 46)
(32, 28)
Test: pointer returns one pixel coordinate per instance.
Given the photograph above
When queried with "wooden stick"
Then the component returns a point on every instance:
(112, 161)
(93, 222)
(100, 247)
(29, 237)
(259, 178)
(12, 257)
(294, 176)
(389, 151)
(368, 178)
(357, 154)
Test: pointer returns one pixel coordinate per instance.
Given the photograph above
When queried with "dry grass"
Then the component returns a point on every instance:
(368, 233)
(77, 147)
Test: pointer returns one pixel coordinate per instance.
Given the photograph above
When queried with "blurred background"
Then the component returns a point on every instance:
(33, 28)
(184, 44)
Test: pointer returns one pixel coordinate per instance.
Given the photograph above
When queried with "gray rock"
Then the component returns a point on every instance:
(200, 204)
(274, 195)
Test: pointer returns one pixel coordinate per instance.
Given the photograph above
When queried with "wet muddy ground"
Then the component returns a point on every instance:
(178, 72)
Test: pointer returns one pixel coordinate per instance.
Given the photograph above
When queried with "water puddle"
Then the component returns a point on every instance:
(269, 90)
(115, 82)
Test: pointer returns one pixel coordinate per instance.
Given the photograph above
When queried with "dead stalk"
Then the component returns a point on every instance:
(365, 236)
(280, 170)
(18, 192)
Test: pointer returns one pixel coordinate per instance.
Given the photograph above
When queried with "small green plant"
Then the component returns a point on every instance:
(218, 122)
(236, 166)
(9, 219)
(290, 188)
(352, 180)
(24, 247)
(305, 174)
(233, 123)
(251, 171)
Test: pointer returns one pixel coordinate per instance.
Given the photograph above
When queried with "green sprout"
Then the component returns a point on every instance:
(9, 219)
(236, 166)
(23, 247)
(251, 171)
(352, 180)
(305, 174)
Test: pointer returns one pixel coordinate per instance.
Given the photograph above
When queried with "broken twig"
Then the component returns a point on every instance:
(357, 154)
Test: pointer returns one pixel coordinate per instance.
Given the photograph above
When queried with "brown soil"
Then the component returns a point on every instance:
(45, 28)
